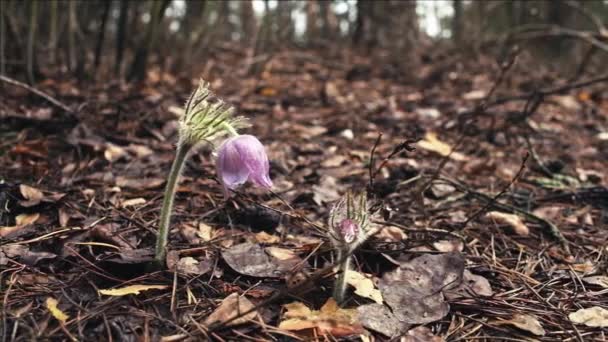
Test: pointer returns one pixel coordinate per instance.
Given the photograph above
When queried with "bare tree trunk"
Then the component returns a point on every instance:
(121, 35)
(457, 21)
(138, 67)
(312, 31)
(102, 33)
(248, 24)
(53, 32)
(71, 35)
(2, 39)
(31, 42)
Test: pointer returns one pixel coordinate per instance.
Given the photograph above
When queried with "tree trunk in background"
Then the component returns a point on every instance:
(31, 42)
(121, 34)
(312, 18)
(285, 29)
(71, 55)
(248, 25)
(457, 21)
(138, 68)
(53, 28)
(102, 32)
(324, 14)
(2, 39)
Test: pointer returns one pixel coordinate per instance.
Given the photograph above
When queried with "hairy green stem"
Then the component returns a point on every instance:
(344, 258)
(181, 155)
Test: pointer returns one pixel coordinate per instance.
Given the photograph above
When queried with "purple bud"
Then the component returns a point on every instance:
(242, 158)
(348, 230)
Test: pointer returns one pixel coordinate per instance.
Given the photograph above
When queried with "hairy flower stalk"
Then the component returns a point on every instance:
(350, 225)
(202, 120)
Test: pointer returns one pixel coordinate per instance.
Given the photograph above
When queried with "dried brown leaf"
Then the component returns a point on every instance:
(379, 318)
(252, 260)
(528, 323)
(331, 319)
(421, 334)
(232, 306)
(414, 290)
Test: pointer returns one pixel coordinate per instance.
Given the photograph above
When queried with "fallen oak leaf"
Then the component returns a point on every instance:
(131, 289)
(330, 319)
(231, 307)
(591, 317)
(51, 305)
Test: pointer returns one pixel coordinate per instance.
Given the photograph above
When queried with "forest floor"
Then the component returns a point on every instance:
(495, 227)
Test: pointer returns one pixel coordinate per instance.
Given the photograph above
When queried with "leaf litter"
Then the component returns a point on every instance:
(88, 209)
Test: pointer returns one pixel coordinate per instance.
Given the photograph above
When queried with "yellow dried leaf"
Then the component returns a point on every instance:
(433, 144)
(364, 286)
(264, 237)
(331, 319)
(512, 220)
(591, 317)
(114, 152)
(205, 232)
(51, 305)
(26, 219)
(132, 289)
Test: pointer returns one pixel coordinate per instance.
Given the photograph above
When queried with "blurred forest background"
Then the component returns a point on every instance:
(122, 39)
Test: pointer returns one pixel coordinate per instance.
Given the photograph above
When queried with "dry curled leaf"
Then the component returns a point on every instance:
(51, 305)
(331, 319)
(231, 307)
(364, 286)
(512, 220)
(131, 289)
(591, 317)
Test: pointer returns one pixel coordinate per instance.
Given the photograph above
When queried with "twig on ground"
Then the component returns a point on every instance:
(40, 93)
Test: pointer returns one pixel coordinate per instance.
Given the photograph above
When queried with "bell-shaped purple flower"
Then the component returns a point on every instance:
(348, 230)
(242, 158)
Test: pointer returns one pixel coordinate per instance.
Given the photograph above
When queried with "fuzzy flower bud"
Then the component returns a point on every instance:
(350, 221)
(348, 230)
(204, 119)
(242, 158)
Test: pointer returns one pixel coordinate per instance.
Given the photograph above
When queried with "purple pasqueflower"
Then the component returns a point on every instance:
(242, 158)
(348, 230)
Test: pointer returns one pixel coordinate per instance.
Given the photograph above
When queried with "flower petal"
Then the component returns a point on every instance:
(253, 156)
(230, 168)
